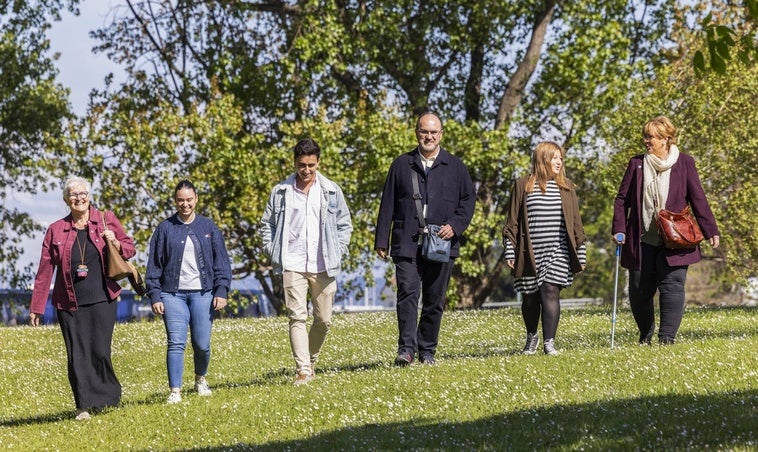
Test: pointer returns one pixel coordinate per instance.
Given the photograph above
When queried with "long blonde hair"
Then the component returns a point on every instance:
(542, 170)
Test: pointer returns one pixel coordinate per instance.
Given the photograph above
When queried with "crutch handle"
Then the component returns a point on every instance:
(619, 238)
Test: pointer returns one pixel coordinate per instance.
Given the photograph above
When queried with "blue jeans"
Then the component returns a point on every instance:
(185, 309)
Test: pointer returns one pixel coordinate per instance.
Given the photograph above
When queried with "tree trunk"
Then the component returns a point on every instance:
(473, 291)
(515, 88)
(472, 97)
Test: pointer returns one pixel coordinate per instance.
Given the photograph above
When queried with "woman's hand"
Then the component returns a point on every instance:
(714, 241)
(510, 263)
(34, 319)
(219, 303)
(158, 308)
(111, 237)
(619, 238)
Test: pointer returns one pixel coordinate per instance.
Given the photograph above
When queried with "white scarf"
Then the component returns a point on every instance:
(655, 182)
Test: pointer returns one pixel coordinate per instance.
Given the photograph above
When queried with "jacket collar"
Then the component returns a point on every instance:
(443, 158)
(323, 181)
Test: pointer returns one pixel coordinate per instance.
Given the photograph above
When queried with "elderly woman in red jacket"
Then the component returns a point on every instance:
(662, 178)
(84, 298)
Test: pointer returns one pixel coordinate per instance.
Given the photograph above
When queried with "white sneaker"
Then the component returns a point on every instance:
(82, 415)
(202, 388)
(174, 397)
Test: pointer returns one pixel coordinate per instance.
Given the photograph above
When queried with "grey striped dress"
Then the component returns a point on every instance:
(547, 230)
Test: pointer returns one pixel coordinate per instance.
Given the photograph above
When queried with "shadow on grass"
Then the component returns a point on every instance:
(674, 422)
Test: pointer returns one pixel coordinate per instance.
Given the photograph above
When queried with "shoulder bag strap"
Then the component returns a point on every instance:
(105, 223)
(417, 199)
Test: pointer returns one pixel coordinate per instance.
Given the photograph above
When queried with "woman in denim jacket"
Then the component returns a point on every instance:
(188, 277)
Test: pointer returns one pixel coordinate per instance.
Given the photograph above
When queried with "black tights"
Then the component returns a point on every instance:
(545, 301)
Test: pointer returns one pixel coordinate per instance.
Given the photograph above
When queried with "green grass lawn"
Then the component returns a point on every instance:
(701, 393)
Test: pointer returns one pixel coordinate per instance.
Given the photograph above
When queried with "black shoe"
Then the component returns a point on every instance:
(428, 360)
(646, 339)
(666, 340)
(403, 359)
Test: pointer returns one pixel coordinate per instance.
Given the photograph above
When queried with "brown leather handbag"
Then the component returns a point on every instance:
(679, 230)
(117, 268)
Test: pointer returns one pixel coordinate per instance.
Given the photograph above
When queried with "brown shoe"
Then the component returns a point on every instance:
(303, 378)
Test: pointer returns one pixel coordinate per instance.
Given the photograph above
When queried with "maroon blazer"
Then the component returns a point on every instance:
(56, 259)
(684, 188)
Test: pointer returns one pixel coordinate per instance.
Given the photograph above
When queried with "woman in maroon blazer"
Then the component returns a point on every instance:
(73, 255)
(662, 178)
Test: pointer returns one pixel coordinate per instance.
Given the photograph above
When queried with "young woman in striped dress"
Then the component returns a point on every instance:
(544, 242)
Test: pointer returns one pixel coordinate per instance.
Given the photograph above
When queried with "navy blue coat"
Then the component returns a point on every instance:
(447, 190)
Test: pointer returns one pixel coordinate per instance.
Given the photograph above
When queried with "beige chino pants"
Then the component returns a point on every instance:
(306, 345)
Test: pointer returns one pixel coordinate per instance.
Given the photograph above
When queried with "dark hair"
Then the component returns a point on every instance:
(306, 146)
(184, 184)
(428, 113)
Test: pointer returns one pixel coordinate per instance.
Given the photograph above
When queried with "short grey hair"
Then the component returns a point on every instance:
(74, 180)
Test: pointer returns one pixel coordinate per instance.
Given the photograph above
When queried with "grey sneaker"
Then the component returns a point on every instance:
(532, 341)
(549, 348)
(202, 388)
(82, 415)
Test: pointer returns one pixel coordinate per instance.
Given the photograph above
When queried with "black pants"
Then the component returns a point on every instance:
(88, 333)
(656, 274)
(544, 302)
(429, 280)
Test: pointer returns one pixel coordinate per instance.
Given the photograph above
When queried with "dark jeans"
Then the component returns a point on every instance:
(657, 275)
(546, 302)
(416, 276)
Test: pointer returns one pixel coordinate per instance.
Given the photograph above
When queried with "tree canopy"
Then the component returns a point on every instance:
(34, 109)
(219, 91)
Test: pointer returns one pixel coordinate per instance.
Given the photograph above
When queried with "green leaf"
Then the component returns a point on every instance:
(723, 50)
(718, 64)
(699, 61)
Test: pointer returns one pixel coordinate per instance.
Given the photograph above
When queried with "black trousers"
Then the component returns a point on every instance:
(88, 333)
(418, 277)
(656, 275)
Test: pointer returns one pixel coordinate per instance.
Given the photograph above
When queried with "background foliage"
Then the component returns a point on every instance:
(218, 92)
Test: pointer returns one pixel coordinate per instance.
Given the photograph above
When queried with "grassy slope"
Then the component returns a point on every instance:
(701, 393)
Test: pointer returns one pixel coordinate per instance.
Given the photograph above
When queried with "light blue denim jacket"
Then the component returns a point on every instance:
(336, 226)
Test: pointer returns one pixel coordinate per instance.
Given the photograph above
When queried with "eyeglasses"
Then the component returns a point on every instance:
(423, 132)
(78, 195)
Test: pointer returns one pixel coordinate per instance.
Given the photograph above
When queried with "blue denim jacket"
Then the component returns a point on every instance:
(167, 249)
(336, 226)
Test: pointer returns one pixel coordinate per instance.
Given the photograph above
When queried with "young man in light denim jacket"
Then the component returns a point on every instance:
(306, 230)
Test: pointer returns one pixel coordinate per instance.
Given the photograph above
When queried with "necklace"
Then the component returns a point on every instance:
(81, 269)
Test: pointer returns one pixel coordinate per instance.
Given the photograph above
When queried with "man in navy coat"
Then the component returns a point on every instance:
(448, 196)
